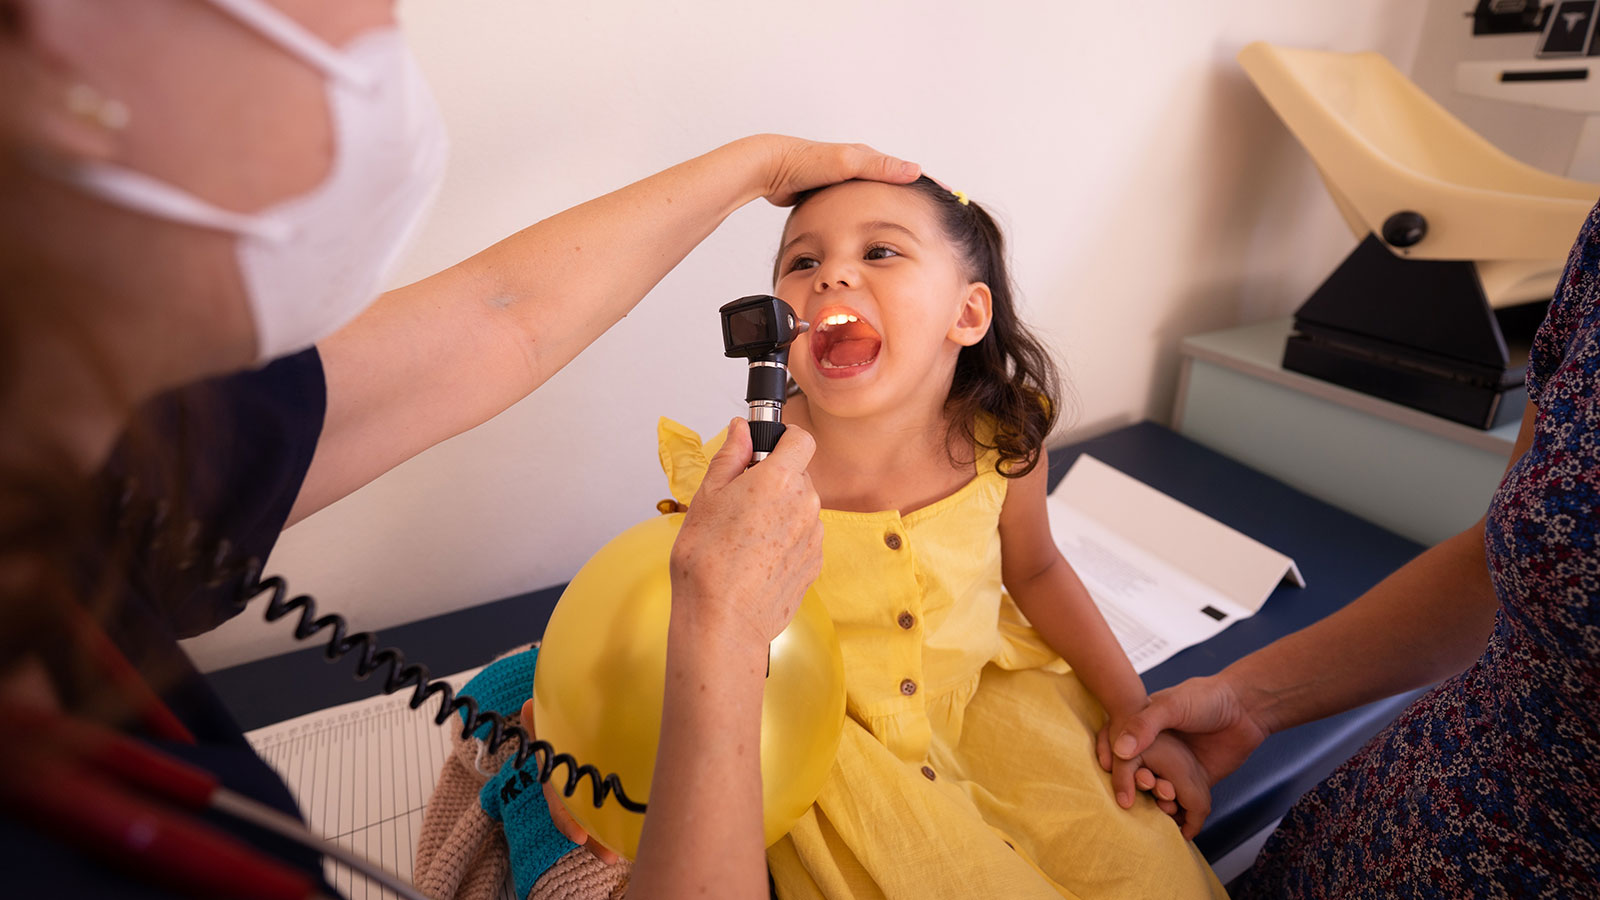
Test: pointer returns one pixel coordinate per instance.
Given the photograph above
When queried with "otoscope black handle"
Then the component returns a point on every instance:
(764, 435)
(767, 381)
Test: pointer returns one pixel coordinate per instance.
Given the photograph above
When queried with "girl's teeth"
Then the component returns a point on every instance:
(828, 365)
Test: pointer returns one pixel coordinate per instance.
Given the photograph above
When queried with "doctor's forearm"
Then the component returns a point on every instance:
(433, 359)
(703, 834)
(567, 279)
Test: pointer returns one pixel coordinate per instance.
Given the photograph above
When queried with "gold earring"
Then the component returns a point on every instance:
(87, 103)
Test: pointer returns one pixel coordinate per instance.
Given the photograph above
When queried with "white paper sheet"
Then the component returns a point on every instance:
(1164, 575)
(1154, 609)
(362, 774)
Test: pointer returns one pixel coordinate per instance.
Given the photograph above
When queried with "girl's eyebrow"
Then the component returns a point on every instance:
(866, 227)
(881, 225)
(792, 241)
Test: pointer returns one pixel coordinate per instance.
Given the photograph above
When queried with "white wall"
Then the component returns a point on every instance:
(1148, 191)
(1539, 137)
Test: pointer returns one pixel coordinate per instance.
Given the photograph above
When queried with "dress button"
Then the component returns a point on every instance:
(907, 620)
(927, 772)
(892, 541)
(908, 687)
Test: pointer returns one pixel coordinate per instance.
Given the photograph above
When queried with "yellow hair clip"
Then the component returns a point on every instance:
(961, 197)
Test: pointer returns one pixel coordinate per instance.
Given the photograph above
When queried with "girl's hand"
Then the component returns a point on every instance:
(1124, 772)
(791, 165)
(1180, 785)
(570, 828)
(562, 819)
(1208, 714)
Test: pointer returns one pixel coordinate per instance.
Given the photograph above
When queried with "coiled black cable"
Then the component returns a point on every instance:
(400, 674)
(219, 568)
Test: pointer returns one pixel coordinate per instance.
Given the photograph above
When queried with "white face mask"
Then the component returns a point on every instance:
(312, 263)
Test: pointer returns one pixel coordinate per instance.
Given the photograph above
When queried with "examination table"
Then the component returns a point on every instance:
(1340, 555)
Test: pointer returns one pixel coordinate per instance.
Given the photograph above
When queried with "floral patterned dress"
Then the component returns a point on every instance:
(1489, 785)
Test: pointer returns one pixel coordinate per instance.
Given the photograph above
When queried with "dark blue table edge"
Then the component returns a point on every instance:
(280, 687)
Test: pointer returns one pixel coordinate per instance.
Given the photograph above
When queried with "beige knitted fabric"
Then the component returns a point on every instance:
(580, 876)
(462, 854)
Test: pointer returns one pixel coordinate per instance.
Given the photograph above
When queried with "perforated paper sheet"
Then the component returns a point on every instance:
(362, 774)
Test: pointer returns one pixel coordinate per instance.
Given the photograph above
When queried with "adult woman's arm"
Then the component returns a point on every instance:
(1427, 621)
(435, 358)
(750, 546)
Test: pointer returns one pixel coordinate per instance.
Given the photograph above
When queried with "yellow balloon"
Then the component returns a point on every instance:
(598, 688)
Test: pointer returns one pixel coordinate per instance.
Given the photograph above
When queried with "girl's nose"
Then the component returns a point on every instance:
(832, 276)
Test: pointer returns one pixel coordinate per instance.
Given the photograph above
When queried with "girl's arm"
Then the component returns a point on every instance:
(433, 359)
(1049, 593)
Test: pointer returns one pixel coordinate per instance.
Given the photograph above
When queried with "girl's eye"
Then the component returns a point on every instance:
(802, 262)
(879, 252)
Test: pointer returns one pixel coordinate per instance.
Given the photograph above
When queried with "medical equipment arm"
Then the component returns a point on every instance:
(440, 356)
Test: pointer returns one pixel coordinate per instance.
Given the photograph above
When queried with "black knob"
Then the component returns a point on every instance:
(1405, 229)
(764, 435)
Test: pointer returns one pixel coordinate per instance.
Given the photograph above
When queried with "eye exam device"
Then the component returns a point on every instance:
(760, 328)
(1460, 246)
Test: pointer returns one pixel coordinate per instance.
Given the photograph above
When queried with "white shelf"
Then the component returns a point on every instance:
(1411, 472)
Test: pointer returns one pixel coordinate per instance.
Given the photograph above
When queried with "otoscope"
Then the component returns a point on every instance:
(760, 328)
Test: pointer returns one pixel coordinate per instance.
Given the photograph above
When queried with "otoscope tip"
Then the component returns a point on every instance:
(801, 326)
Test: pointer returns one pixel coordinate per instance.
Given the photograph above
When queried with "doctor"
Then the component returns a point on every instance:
(194, 188)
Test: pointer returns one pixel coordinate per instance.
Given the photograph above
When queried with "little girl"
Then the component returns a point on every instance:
(977, 667)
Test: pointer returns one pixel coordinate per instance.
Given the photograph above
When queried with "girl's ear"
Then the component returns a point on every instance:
(977, 312)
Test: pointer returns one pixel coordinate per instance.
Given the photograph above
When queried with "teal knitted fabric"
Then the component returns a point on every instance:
(512, 797)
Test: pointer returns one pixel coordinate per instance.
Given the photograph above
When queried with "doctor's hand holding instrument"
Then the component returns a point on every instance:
(739, 562)
(731, 578)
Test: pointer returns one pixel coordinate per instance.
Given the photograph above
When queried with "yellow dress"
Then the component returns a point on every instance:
(967, 768)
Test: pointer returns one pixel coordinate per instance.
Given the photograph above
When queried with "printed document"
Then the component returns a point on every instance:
(1164, 575)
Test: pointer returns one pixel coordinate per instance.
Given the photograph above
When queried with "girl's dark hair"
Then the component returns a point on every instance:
(1008, 375)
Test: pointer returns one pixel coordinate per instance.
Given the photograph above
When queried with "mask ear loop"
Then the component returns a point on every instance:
(277, 27)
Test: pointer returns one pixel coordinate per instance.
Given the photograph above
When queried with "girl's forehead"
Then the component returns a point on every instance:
(856, 205)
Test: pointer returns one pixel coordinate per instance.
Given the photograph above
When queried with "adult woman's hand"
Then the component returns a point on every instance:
(1208, 714)
(752, 541)
(794, 165)
(749, 547)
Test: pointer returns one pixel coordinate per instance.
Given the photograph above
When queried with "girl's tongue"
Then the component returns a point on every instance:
(845, 345)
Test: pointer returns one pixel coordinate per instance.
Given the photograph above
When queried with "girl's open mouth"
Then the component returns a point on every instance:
(843, 344)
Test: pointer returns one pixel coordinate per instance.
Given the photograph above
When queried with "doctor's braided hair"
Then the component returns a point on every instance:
(1008, 375)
